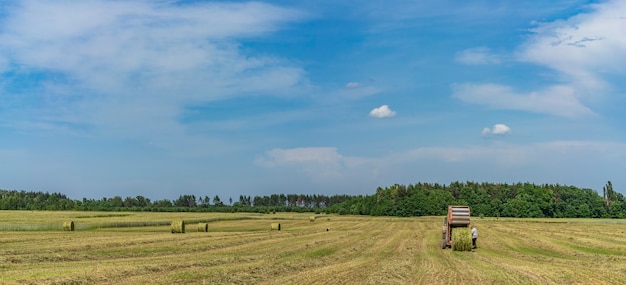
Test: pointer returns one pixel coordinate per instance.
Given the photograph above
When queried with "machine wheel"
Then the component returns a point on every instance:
(443, 244)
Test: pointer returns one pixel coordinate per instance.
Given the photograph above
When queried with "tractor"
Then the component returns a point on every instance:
(458, 217)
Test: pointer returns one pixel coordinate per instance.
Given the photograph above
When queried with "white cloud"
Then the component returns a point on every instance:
(583, 47)
(500, 129)
(497, 130)
(318, 155)
(355, 90)
(353, 84)
(479, 55)
(382, 112)
(544, 162)
(587, 52)
(123, 68)
(533, 162)
(318, 163)
(555, 100)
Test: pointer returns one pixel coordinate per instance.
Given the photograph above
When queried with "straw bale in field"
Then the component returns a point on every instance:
(462, 239)
(203, 227)
(312, 219)
(178, 227)
(68, 226)
(276, 226)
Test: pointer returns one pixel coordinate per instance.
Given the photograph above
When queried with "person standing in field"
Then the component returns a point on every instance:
(474, 236)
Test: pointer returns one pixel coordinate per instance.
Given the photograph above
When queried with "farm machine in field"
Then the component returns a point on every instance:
(458, 217)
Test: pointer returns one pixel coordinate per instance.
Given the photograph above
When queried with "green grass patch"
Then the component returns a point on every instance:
(593, 250)
(101, 216)
(322, 252)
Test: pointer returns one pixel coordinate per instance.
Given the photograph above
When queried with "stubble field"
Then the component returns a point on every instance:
(138, 248)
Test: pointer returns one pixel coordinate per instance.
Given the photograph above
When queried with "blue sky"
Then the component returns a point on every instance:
(163, 98)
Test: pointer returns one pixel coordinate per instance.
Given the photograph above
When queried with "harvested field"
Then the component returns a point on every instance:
(242, 249)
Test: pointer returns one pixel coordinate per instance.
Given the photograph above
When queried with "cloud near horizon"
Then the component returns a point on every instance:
(318, 163)
(494, 162)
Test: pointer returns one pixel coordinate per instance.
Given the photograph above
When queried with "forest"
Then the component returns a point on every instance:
(522, 200)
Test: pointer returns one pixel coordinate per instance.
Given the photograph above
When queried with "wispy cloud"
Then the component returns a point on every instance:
(582, 48)
(125, 67)
(549, 162)
(318, 155)
(354, 90)
(382, 112)
(475, 56)
(554, 100)
(353, 84)
(319, 163)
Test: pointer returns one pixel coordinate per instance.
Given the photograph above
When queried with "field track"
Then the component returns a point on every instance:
(137, 248)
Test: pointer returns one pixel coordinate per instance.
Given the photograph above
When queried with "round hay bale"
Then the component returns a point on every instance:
(203, 227)
(276, 226)
(178, 227)
(312, 219)
(462, 239)
(68, 226)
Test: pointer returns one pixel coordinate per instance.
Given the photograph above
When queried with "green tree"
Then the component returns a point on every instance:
(117, 202)
(217, 201)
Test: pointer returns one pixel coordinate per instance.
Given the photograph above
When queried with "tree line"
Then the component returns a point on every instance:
(27, 200)
(420, 199)
(523, 200)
